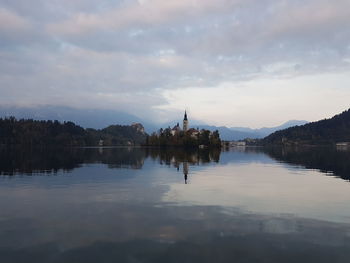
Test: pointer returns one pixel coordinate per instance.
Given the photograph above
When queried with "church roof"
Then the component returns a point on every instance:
(176, 127)
(185, 117)
(192, 130)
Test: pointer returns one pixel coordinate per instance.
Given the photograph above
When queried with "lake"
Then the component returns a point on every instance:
(150, 205)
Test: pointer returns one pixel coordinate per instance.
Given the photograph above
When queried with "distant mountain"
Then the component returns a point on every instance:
(327, 131)
(226, 133)
(240, 133)
(87, 118)
(263, 132)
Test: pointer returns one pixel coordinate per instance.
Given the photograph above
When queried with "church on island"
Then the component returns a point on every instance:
(176, 129)
(185, 136)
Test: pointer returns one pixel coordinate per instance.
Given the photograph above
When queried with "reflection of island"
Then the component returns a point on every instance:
(177, 157)
(325, 159)
(45, 161)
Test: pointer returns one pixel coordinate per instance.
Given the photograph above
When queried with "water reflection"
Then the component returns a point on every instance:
(151, 205)
(45, 161)
(199, 234)
(329, 160)
(185, 171)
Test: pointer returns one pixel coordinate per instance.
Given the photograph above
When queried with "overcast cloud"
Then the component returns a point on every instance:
(229, 62)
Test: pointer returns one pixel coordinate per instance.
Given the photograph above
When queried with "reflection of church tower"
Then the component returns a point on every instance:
(185, 125)
(185, 170)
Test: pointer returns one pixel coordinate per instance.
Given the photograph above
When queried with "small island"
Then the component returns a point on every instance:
(185, 137)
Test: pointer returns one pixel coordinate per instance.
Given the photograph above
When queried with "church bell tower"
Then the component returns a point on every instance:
(185, 123)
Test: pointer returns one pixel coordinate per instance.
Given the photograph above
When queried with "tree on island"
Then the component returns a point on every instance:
(190, 138)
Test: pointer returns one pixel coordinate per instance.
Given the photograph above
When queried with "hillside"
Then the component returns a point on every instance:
(28, 132)
(327, 131)
(86, 118)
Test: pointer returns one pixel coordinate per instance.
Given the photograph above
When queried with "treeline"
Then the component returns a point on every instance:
(28, 132)
(328, 131)
(119, 135)
(191, 138)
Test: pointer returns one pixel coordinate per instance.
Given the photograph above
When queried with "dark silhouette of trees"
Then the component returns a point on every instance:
(44, 161)
(191, 138)
(53, 133)
(327, 131)
(329, 160)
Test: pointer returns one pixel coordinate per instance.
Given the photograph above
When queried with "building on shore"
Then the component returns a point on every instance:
(238, 144)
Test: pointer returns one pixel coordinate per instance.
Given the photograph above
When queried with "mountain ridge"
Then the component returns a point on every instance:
(326, 131)
(87, 118)
(264, 131)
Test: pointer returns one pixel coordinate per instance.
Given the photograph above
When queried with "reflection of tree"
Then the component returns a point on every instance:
(322, 158)
(28, 161)
(174, 156)
(41, 160)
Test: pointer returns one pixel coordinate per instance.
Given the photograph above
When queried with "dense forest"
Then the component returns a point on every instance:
(191, 138)
(327, 131)
(28, 132)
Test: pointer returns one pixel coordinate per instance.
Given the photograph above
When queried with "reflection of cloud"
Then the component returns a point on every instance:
(265, 189)
(96, 211)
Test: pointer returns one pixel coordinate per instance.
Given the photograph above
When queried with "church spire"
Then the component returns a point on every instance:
(185, 122)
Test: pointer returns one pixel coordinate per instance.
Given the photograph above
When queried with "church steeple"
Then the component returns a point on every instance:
(185, 123)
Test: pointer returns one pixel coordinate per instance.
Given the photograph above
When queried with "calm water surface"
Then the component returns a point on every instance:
(147, 205)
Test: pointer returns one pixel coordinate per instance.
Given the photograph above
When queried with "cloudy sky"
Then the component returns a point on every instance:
(229, 62)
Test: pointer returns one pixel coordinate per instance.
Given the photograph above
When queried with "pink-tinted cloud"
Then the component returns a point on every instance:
(11, 23)
(141, 13)
(116, 52)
